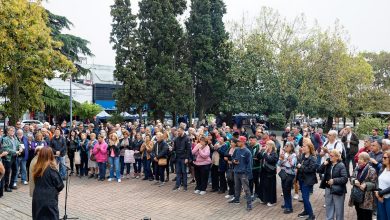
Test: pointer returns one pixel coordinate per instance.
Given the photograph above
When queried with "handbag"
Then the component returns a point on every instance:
(269, 168)
(282, 174)
(162, 161)
(77, 158)
(129, 156)
(92, 157)
(357, 195)
(337, 190)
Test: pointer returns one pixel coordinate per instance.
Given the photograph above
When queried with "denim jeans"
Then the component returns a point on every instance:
(102, 170)
(114, 162)
(383, 209)
(306, 189)
(181, 173)
(147, 169)
(21, 164)
(137, 166)
(62, 168)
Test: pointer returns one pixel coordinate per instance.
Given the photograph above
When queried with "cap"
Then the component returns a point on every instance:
(242, 139)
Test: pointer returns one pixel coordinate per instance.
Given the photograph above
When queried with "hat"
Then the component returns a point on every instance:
(242, 139)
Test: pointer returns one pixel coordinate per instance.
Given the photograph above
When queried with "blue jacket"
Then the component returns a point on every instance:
(244, 158)
(25, 152)
(222, 163)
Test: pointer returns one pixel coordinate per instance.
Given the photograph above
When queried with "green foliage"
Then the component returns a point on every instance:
(87, 110)
(55, 102)
(277, 121)
(73, 46)
(116, 118)
(366, 124)
(209, 53)
(29, 55)
(129, 64)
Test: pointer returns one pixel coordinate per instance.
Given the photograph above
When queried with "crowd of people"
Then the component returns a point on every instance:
(228, 159)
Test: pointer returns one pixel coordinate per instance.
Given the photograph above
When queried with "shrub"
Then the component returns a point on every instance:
(366, 124)
(277, 121)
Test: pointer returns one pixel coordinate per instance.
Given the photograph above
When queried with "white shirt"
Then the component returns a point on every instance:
(384, 181)
(331, 147)
(349, 139)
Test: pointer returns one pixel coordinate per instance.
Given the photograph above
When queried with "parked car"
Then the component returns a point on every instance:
(29, 122)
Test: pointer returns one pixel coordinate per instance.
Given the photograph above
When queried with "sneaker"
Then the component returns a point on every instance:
(137, 177)
(185, 189)
(281, 194)
(119, 180)
(261, 202)
(324, 206)
(302, 214)
(249, 207)
(311, 217)
(25, 183)
(234, 201)
(161, 184)
(175, 188)
(227, 197)
(202, 193)
(14, 185)
(296, 196)
(156, 183)
(128, 176)
(109, 179)
(197, 191)
(288, 211)
(270, 205)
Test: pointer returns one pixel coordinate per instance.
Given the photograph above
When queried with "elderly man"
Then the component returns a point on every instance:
(22, 157)
(8, 151)
(351, 145)
(376, 155)
(330, 145)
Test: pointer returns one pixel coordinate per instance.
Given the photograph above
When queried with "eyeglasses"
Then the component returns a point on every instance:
(331, 155)
(385, 157)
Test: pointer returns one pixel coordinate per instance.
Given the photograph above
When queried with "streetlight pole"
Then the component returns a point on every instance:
(70, 95)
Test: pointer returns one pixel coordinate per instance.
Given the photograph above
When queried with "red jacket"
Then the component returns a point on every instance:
(356, 158)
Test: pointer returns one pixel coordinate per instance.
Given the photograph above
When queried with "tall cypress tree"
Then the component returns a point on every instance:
(209, 53)
(129, 65)
(161, 38)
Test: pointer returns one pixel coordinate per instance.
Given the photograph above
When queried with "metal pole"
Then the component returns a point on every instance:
(70, 104)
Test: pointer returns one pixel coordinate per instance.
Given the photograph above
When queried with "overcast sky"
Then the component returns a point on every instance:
(367, 21)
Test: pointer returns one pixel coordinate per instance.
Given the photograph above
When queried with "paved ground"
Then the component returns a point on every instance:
(135, 199)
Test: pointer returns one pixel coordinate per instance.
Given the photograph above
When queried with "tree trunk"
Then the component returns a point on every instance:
(344, 121)
(354, 121)
(190, 120)
(139, 111)
(229, 119)
(174, 121)
(329, 123)
(201, 112)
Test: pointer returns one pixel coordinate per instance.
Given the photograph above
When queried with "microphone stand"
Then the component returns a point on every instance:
(66, 193)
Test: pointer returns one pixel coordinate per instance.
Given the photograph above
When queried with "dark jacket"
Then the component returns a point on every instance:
(307, 171)
(182, 147)
(339, 175)
(354, 144)
(115, 148)
(160, 150)
(222, 163)
(25, 152)
(58, 144)
(270, 159)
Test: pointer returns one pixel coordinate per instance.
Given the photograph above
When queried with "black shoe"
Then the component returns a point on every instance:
(282, 206)
(14, 187)
(91, 176)
(175, 188)
(8, 190)
(221, 192)
(288, 211)
(96, 176)
(214, 190)
(151, 179)
(234, 201)
(311, 218)
(302, 214)
(185, 189)
(144, 178)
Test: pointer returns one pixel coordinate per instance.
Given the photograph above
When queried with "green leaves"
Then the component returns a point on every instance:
(29, 54)
(87, 110)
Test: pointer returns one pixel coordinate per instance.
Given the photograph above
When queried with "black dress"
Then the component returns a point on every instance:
(45, 196)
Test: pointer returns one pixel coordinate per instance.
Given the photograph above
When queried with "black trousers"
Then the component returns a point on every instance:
(255, 182)
(231, 186)
(201, 176)
(348, 160)
(363, 214)
(214, 177)
(84, 164)
(10, 170)
(71, 160)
